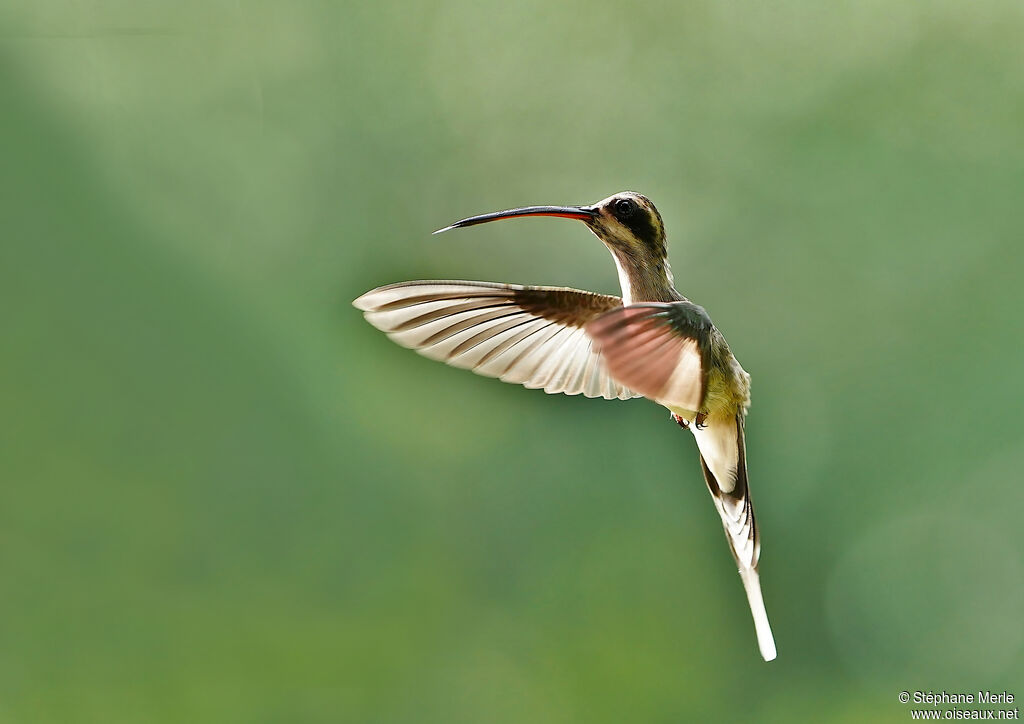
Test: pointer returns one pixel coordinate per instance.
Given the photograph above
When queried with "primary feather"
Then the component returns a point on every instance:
(533, 336)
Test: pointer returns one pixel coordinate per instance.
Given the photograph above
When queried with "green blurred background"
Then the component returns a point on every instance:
(227, 498)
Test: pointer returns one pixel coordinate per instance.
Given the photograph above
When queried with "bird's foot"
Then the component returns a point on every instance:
(701, 420)
(681, 421)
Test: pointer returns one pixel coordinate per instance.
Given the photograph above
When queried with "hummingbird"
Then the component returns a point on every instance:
(651, 342)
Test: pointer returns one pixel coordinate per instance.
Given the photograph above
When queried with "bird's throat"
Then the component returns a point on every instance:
(644, 279)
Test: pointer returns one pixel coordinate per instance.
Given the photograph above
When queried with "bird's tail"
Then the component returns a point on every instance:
(737, 511)
(765, 640)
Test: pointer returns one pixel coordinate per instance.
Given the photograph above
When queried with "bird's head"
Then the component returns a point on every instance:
(629, 225)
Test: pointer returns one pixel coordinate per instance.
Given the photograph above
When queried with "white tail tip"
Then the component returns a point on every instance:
(765, 640)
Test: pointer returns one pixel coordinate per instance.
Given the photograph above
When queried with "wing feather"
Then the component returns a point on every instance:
(658, 349)
(534, 336)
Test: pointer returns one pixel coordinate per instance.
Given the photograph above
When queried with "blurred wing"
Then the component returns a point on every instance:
(726, 478)
(657, 349)
(533, 336)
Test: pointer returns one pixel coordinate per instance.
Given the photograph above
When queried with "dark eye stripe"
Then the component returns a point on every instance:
(643, 220)
(643, 227)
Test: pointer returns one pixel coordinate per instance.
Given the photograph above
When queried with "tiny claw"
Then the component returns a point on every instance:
(701, 420)
(681, 421)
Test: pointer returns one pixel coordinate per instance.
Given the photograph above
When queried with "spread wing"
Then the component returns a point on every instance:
(534, 336)
(658, 349)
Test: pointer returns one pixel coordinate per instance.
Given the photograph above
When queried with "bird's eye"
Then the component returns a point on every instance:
(624, 208)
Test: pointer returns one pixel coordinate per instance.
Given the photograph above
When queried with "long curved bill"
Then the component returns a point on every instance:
(583, 213)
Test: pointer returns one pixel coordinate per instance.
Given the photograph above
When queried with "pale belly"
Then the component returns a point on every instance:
(727, 394)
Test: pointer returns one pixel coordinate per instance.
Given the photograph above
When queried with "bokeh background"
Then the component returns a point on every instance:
(224, 497)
